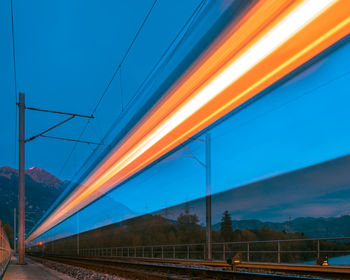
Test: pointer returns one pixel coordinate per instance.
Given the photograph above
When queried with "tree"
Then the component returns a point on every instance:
(249, 235)
(226, 227)
(189, 230)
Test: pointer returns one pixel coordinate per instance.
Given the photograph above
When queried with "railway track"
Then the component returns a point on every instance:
(332, 272)
(152, 270)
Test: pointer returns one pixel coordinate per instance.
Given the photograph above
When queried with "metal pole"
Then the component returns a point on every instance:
(223, 252)
(78, 234)
(248, 252)
(21, 187)
(14, 230)
(208, 194)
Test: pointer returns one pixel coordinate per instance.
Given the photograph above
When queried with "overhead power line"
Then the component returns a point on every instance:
(13, 51)
(109, 83)
(161, 63)
(73, 140)
(124, 57)
(15, 80)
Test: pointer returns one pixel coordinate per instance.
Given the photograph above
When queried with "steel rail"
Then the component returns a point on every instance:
(169, 271)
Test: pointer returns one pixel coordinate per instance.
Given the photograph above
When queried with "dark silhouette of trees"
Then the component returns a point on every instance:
(188, 228)
(226, 227)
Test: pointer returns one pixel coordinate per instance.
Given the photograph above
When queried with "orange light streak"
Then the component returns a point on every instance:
(172, 122)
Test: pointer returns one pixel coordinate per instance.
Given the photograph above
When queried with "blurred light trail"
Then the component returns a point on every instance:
(272, 39)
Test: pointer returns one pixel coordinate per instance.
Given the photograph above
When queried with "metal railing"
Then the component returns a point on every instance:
(5, 250)
(273, 251)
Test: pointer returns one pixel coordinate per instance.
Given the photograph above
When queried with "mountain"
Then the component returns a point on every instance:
(43, 177)
(42, 188)
(40, 176)
(312, 227)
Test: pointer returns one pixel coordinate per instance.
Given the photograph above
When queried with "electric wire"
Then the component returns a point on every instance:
(13, 51)
(164, 59)
(121, 88)
(124, 57)
(15, 80)
(109, 84)
(184, 30)
(186, 26)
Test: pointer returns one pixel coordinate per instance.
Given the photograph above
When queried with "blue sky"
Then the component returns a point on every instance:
(66, 53)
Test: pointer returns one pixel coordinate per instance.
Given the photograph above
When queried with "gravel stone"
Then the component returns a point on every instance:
(78, 272)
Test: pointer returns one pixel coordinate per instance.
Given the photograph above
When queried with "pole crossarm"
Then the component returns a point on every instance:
(197, 139)
(75, 140)
(21, 175)
(207, 166)
(52, 127)
(58, 112)
(193, 155)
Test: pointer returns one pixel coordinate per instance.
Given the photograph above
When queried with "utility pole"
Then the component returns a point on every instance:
(208, 194)
(78, 233)
(21, 187)
(22, 141)
(14, 230)
(207, 166)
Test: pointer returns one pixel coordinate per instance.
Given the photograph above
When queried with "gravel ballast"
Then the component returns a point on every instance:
(77, 272)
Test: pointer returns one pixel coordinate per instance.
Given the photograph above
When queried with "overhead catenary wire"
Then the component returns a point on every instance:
(110, 82)
(13, 51)
(184, 29)
(15, 80)
(164, 60)
(124, 57)
(121, 89)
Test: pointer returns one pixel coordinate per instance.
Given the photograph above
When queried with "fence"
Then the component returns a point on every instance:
(273, 251)
(5, 250)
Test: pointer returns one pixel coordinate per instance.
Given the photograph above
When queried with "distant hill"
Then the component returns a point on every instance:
(42, 188)
(43, 177)
(312, 227)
